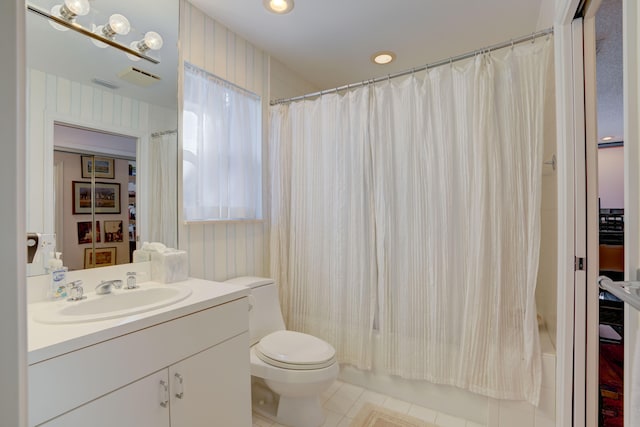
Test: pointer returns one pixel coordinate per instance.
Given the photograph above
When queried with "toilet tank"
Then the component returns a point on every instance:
(265, 315)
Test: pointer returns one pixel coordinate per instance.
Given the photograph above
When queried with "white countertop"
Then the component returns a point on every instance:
(46, 340)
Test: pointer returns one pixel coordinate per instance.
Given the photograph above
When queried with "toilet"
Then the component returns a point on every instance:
(289, 370)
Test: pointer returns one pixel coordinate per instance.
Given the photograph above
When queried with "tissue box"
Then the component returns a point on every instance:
(169, 266)
(141, 256)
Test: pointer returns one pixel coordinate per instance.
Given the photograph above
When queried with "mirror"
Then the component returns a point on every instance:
(74, 84)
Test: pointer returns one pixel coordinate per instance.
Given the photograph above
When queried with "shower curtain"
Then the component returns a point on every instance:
(450, 168)
(163, 177)
(322, 225)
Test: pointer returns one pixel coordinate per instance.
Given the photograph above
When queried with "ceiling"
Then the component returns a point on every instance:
(327, 42)
(330, 42)
(609, 70)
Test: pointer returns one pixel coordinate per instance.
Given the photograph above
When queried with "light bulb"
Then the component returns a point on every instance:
(68, 11)
(153, 40)
(78, 7)
(55, 11)
(119, 24)
(278, 6)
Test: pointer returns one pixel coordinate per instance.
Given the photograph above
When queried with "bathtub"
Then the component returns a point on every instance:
(461, 403)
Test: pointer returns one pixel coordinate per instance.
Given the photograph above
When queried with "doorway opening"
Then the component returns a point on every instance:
(609, 81)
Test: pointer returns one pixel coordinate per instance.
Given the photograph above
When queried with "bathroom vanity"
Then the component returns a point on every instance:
(186, 364)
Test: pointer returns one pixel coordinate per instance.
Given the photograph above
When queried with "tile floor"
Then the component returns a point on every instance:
(343, 401)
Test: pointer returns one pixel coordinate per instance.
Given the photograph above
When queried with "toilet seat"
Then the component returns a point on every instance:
(295, 350)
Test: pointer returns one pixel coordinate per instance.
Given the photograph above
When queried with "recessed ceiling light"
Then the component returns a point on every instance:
(607, 138)
(383, 58)
(278, 6)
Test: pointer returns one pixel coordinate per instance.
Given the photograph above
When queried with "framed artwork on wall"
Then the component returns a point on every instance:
(107, 196)
(113, 231)
(85, 234)
(104, 257)
(104, 167)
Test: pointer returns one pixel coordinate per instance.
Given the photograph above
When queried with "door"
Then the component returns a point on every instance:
(212, 388)
(137, 405)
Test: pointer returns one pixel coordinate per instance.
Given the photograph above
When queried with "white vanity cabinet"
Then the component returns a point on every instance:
(190, 371)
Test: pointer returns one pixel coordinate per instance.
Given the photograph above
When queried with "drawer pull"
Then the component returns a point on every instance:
(164, 393)
(179, 386)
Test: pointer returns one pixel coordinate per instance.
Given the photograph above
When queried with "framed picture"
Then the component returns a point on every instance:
(107, 197)
(113, 231)
(104, 257)
(103, 166)
(84, 232)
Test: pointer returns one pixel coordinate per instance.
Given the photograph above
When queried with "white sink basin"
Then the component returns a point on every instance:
(120, 303)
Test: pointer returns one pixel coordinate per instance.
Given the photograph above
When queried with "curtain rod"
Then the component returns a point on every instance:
(531, 37)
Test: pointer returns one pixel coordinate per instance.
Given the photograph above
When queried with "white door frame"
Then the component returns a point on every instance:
(566, 117)
(566, 400)
(631, 44)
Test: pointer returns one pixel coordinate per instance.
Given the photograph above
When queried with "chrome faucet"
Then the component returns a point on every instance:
(105, 286)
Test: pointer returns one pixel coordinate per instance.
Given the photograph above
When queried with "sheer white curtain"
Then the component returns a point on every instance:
(322, 244)
(457, 160)
(163, 178)
(222, 154)
(421, 196)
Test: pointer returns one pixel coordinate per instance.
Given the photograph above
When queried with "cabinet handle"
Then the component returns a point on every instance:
(164, 394)
(179, 386)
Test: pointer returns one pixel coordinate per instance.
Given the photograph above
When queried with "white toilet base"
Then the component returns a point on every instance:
(300, 411)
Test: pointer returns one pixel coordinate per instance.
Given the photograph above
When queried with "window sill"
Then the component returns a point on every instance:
(225, 221)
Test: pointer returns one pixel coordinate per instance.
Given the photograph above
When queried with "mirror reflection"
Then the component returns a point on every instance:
(91, 107)
(95, 196)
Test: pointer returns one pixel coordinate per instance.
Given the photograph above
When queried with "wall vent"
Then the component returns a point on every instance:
(138, 76)
(105, 83)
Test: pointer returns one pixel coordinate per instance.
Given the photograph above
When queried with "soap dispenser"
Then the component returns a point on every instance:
(58, 273)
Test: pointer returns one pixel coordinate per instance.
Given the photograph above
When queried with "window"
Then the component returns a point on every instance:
(222, 155)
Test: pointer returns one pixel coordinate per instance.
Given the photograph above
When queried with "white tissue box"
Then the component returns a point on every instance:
(169, 266)
(141, 256)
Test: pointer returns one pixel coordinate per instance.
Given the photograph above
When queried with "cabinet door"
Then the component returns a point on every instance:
(212, 388)
(135, 405)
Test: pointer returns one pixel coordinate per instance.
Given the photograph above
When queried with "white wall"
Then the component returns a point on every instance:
(546, 287)
(611, 177)
(285, 83)
(13, 329)
(218, 251)
(55, 98)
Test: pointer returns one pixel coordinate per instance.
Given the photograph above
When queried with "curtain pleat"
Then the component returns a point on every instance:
(163, 163)
(417, 200)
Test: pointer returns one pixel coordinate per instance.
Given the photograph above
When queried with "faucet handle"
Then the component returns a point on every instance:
(131, 280)
(76, 291)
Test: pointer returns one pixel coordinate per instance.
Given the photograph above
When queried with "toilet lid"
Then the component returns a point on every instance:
(295, 350)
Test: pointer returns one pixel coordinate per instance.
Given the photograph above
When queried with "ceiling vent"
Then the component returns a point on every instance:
(105, 83)
(138, 76)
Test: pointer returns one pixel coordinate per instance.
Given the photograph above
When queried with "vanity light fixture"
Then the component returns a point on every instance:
(383, 58)
(607, 138)
(151, 41)
(278, 6)
(68, 11)
(118, 24)
(63, 16)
